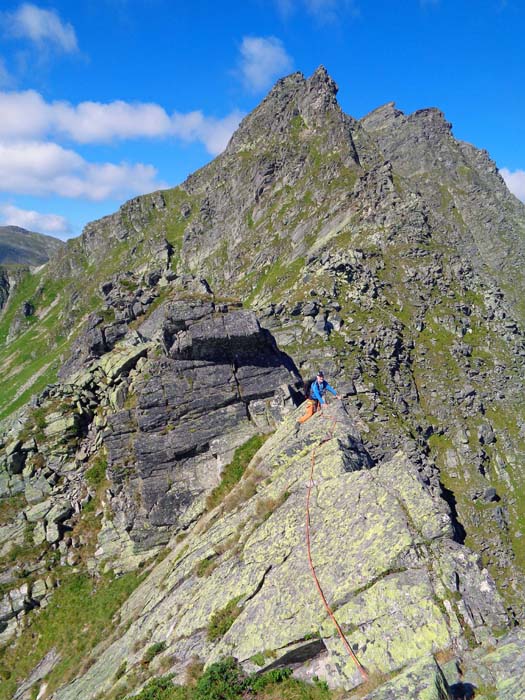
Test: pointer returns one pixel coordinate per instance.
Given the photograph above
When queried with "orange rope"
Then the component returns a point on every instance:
(310, 562)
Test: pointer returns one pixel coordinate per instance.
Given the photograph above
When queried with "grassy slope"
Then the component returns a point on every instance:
(63, 294)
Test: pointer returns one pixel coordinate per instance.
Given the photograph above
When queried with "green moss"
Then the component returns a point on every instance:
(297, 125)
(277, 277)
(10, 507)
(152, 652)
(129, 284)
(259, 659)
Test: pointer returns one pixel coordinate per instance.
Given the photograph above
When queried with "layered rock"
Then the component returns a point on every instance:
(382, 546)
(223, 381)
(169, 403)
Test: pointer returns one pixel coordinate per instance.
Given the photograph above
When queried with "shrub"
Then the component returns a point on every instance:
(277, 675)
(193, 671)
(223, 680)
(223, 619)
(162, 688)
(152, 652)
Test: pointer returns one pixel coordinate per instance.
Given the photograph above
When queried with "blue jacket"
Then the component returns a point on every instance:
(317, 391)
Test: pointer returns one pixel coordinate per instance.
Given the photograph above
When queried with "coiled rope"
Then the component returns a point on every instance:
(310, 562)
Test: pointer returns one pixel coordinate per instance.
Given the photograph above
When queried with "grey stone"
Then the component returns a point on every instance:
(37, 490)
(52, 533)
(38, 511)
(60, 511)
(490, 494)
(486, 434)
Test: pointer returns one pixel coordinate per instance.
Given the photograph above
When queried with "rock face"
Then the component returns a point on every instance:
(161, 413)
(222, 381)
(383, 549)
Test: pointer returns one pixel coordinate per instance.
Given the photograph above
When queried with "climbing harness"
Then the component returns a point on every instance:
(310, 562)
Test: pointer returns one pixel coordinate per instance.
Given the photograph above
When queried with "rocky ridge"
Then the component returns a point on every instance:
(153, 420)
(384, 251)
(394, 542)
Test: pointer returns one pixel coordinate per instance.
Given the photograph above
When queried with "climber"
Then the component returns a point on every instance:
(315, 398)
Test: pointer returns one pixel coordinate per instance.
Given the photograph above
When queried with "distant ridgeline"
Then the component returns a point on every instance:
(152, 480)
(21, 247)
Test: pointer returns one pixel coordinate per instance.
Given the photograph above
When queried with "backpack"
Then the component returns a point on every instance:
(308, 386)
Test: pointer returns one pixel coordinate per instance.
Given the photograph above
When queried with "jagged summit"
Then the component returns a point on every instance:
(292, 102)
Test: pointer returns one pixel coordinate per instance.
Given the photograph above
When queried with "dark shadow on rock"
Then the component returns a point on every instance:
(459, 531)
(463, 691)
(309, 650)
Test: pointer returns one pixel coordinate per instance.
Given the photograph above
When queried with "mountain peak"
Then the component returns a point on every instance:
(313, 100)
(321, 80)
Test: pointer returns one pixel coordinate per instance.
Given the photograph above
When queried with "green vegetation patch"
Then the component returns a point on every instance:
(10, 507)
(206, 566)
(223, 619)
(276, 278)
(78, 617)
(234, 470)
(153, 651)
(225, 680)
(96, 474)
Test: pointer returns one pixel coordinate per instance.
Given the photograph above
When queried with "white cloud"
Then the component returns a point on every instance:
(43, 27)
(95, 122)
(213, 133)
(262, 60)
(26, 115)
(515, 182)
(33, 220)
(43, 168)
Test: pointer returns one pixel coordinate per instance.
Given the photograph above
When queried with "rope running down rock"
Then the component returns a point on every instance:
(310, 562)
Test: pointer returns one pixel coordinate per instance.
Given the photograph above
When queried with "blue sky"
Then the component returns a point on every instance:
(101, 100)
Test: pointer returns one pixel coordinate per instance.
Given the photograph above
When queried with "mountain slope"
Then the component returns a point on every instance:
(19, 246)
(382, 250)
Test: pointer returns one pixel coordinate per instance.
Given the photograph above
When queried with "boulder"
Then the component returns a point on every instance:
(159, 455)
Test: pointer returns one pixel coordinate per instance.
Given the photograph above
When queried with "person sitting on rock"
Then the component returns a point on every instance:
(315, 398)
